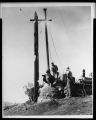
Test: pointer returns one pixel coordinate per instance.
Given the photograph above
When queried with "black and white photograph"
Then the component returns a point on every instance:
(47, 60)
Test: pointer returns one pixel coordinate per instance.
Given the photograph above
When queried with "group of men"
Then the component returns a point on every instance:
(52, 78)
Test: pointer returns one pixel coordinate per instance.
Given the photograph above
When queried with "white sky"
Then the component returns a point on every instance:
(72, 35)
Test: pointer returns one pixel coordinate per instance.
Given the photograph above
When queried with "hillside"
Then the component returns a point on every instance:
(65, 106)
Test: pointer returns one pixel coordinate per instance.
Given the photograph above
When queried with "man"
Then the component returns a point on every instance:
(50, 78)
(83, 84)
(54, 69)
(69, 77)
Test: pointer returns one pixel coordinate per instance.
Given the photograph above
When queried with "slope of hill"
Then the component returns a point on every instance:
(65, 106)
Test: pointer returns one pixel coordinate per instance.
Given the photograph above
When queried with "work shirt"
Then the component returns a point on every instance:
(70, 75)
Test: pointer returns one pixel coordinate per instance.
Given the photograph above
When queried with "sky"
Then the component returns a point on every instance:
(70, 29)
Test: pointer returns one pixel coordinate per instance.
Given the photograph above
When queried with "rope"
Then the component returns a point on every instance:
(50, 55)
(55, 50)
(52, 42)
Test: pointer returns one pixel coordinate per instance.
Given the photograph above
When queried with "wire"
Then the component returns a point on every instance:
(52, 41)
(60, 13)
(50, 55)
(55, 50)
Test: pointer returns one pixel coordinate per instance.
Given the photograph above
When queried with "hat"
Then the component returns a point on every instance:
(68, 68)
(52, 63)
(48, 71)
(43, 75)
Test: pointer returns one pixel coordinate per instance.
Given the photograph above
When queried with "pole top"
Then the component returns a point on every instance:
(35, 15)
(45, 9)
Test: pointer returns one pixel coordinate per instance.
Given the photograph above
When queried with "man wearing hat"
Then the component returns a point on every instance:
(54, 69)
(50, 78)
(69, 77)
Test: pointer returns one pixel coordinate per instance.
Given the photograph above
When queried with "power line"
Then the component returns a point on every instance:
(51, 38)
(55, 50)
(50, 55)
(61, 17)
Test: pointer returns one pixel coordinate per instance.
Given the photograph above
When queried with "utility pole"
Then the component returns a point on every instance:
(46, 35)
(36, 53)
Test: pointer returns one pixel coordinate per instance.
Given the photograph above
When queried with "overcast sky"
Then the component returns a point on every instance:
(70, 30)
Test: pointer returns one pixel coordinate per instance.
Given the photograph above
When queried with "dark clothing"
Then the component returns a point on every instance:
(65, 78)
(54, 69)
(70, 75)
(51, 79)
(44, 79)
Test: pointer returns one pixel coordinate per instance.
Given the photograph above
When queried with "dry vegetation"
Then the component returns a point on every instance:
(65, 106)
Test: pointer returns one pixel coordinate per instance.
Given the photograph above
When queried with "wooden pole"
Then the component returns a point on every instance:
(47, 45)
(36, 53)
(36, 62)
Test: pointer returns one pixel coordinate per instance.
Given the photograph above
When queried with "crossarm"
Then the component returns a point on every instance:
(40, 20)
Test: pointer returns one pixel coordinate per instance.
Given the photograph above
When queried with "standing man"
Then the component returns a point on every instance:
(83, 79)
(69, 77)
(50, 78)
(54, 70)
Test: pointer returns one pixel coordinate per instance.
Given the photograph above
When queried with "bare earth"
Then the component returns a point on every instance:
(65, 106)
